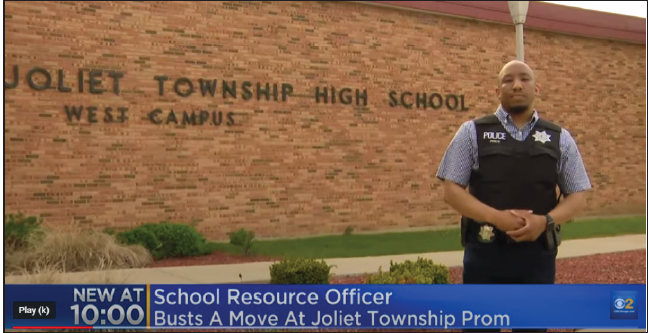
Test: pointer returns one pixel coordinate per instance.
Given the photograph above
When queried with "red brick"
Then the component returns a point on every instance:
(293, 168)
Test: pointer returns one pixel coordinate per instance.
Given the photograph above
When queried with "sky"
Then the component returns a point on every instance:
(632, 8)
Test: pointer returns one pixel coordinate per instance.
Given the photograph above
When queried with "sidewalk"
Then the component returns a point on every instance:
(259, 272)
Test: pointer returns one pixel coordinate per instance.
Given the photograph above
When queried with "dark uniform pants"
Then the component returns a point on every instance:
(484, 275)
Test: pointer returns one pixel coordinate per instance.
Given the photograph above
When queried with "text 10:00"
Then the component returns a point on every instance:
(92, 317)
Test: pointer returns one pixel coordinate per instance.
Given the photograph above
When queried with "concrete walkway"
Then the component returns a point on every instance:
(259, 272)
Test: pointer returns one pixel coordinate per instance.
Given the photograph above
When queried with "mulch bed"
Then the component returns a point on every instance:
(612, 268)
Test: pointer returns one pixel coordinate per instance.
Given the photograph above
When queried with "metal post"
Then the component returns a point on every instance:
(518, 10)
(519, 41)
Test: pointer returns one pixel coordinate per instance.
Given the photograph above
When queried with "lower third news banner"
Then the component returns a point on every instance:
(324, 306)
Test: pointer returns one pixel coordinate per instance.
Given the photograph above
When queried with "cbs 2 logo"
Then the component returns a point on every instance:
(628, 303)
(624, 304)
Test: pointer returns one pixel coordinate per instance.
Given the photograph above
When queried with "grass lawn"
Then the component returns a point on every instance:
(346, 246)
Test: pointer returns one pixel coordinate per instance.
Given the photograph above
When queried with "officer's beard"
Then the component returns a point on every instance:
(517, 109)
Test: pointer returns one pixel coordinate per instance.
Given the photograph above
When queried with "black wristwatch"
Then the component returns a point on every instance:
(550, 222)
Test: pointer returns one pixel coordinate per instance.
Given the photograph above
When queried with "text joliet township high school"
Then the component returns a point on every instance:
(295, 118)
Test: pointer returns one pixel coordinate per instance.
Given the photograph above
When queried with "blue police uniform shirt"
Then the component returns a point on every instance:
(461, 156)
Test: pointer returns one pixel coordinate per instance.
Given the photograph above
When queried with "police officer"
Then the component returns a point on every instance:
(512, 163)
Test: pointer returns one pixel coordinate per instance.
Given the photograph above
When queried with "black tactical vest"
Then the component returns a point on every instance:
(514, 174)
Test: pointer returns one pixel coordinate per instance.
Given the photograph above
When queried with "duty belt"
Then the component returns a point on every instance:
(484, 233)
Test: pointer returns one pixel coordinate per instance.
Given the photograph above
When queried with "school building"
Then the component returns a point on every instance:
(295, 118)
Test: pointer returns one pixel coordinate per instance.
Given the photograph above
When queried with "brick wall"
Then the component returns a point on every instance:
(293, 167)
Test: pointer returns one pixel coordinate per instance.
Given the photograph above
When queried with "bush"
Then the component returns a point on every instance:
(243, 239)
(77, 252)
(300, 271)
(406, 277)
(440, 273)
(20, 232)
(167, 240)
(142, 235)
(422, 271)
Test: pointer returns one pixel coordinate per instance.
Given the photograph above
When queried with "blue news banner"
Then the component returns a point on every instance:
(325, 306)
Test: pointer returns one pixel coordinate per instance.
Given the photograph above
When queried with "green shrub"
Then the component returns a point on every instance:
(440, 273)
(421, 271)
(143, 235)
(21, 231)
(242, 238)
(405, 277)
(300, 271)
(167, 240)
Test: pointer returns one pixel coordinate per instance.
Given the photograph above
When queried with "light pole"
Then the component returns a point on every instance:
(519, 11)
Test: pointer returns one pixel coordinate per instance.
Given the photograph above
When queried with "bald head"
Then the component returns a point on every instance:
(515, 66)
(516, 87)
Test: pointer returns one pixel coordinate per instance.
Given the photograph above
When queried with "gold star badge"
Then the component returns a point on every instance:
(486, 233)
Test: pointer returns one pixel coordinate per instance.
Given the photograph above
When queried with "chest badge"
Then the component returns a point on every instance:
(542, 136)
(486, 233)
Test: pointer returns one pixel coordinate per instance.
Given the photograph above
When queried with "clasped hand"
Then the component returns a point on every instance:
(529, 227)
